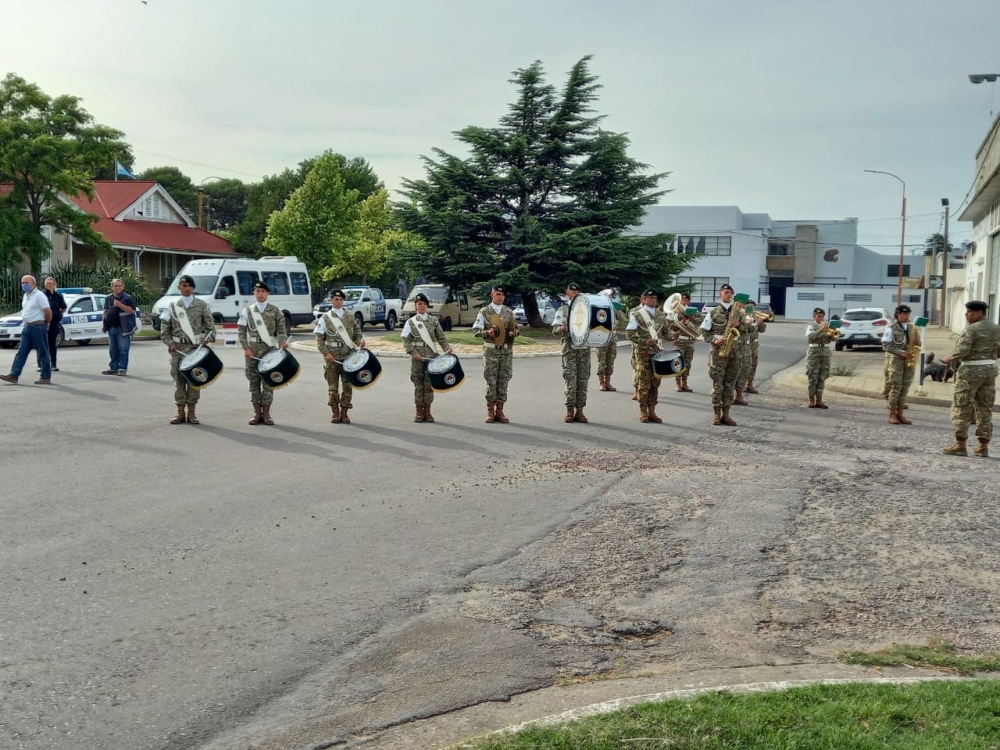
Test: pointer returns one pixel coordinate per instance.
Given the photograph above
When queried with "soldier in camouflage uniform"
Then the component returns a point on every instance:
(498, 359)
(900, 366)
(975, 383)
(256, 343)
(744, 348)
(647, 324)
(818, 357)
(723, 370)
(421, 353)
(607, 354)
(335, 350)
(180, 344)
(761, 326)
(575, 363)
(683, 341)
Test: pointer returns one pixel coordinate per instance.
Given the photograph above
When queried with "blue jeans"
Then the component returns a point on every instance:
(33, 337)
(118, 347)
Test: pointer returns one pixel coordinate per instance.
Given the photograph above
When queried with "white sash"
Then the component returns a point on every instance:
(333, 321)
(182, 317)
(424, 334)
(649, 323)
(260, 325)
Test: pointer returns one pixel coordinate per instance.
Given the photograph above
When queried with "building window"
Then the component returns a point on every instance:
(704, 245)
(703, 288)
(893, 272)
(168, 266)
(780, 248)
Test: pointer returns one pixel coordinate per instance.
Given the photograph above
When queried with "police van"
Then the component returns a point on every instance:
(227, 286)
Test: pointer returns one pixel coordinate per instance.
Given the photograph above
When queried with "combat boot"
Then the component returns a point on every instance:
(344, 419)
(812, 402)
(490, 412)
(717, 419)
(581, 417)
(419, 416)
(652, 414)
(180, 418)
(265, 414)
(635, 395)
(255, 419)
(983, 451)
(739, 400)
(680, 384)
(570, 414)
(427, 413)
(686, 389)
(501, 417)
(335, 416)
(902, 417)
(893, 416)
(607, 384)
(820, 404)
(643, 412)
(750, 388)
(603, 379)
(726, 419)
(191, 417)
(958, 449)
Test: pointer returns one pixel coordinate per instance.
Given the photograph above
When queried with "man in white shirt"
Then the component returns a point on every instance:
(35, 316)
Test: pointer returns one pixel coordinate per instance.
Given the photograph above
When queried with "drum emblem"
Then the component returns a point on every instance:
(365, 376)
(676, 365)
(602, 316)
(199, 374)
(276, 377)
(449, 379)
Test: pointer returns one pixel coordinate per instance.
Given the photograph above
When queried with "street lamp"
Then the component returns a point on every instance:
(201, 198)
(902, 236)
(990, 78)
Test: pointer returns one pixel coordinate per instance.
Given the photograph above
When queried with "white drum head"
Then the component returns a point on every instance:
(356, 360)
(272, 359)
(192, 359)
(442, 364)
(579, 319)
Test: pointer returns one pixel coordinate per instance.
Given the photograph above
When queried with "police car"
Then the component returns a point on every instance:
(81, 322)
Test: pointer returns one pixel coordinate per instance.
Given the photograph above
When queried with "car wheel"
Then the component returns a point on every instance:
(390, 322)
(360, 320)
(83, 342)
(8, 345)
(446, 324)
(60, 337)
(839, 346)
(156, 323)
(288, 324)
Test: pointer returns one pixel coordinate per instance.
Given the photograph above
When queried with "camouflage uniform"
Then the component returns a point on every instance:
(575, 364)
(759, 328)
(413, 343)
(607, 354)
(724, 371)
(338, 387)
(817, 360)
(498, 361)
(274, 320)
(975, 384)
(680, 341)
(745, 348)
(898, 375)
(171, 332)
(644, 345)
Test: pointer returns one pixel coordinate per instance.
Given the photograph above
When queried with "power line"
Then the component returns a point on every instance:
(197, 163)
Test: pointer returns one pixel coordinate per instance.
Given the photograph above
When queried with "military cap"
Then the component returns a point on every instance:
(819, 311)
(421, 297)
(976, 306)
(499, 288)
(185, 279)
(573, 287)
(261, 285)
(685, 295)
(650, 293)
(903, 309)
(724, 287)
(337, 293)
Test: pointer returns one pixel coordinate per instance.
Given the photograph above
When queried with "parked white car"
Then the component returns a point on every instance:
(81, 323)
(547, 308)
(862, 326)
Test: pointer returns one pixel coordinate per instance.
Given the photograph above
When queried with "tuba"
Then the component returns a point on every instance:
(674, 308)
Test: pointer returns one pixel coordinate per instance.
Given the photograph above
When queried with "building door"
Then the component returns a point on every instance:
(778, 286)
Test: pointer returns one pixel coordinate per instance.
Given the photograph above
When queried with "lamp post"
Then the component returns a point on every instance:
(990, 78)
(902, 236)
(944, 266)
(201, 198)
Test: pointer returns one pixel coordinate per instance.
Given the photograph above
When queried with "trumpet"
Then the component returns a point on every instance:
(763, 317)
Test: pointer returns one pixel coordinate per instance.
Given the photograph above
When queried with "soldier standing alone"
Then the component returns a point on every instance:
(184, 324)
(419, 336)
(575, 363)
(337, 336)
(899, 365)
(496, 326)
(976, 381)
(259, 325)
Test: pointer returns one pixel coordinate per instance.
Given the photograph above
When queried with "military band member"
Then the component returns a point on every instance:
(607, 354)
(723, 370)
(818, 357)
(744, 346)
(976, 381)
(900, 366)
(575, 363)
(260, 328)
(337, 336)
(184, 324)
(682, 340)
(495, 324)
(761, 326)
(420, 333)
(647, 324)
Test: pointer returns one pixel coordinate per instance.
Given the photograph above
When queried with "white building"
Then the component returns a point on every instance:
(795, 265)
(982, 262)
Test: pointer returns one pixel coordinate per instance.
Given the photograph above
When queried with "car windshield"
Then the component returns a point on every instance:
(862, 315)
(202, 285)
(353, 295)
(435, 294)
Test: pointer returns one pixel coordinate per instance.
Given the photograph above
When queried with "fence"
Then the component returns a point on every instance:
(98, 279)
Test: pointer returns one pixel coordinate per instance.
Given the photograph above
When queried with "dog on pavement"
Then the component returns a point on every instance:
(938, 371)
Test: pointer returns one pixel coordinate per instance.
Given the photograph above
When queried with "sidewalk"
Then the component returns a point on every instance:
(868, 380)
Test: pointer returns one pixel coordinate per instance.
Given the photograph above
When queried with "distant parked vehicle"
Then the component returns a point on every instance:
(862, 326)
(368, 305)
(81, 323)
(547, 308)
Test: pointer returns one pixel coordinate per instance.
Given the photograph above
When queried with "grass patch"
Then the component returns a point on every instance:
(935, 715)
(938, 654)
(466, 337)
(843, 369)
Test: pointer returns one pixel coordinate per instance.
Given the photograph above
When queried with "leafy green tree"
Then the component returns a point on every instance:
(936, 244)
(544, 198)
(177, 184)
(225, 204)
(48, 147)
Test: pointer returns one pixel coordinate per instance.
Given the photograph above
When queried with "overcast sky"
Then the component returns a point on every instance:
(775, 106)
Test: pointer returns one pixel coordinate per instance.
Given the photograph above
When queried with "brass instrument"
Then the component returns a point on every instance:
(675, 307)
(914, 351)
(732, 333)
(833, 333)
(763, 317)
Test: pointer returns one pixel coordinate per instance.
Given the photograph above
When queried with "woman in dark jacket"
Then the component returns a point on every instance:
(58, 305)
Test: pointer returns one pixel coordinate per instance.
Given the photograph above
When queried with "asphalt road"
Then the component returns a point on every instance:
(228, 586)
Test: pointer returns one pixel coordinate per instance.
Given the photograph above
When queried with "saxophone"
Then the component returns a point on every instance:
(732, 333)
(914, 350)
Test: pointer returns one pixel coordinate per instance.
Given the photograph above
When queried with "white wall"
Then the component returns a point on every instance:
(832, 299)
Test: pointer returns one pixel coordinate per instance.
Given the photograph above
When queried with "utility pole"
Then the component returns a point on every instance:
(944, 266)
(201, 206)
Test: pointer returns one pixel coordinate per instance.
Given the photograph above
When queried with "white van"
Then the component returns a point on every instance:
(227, 286)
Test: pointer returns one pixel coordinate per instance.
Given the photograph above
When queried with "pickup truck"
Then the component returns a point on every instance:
(368, 305)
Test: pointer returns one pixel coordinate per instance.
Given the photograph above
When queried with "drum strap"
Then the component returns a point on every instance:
(260, 326)
(648, 320)
(182, 317)
(425, 334)
(332, 321)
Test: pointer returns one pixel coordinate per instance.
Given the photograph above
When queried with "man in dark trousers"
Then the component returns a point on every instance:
(119, 324)
(58, 305)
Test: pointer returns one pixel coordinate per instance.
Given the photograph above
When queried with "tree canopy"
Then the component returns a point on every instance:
(48, 147)
(544, 198)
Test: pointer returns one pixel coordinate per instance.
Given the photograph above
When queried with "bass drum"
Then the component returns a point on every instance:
(362, 368)
(445, 373)
(277, 368)
(669, 364)
(591, 321)
(201, 367)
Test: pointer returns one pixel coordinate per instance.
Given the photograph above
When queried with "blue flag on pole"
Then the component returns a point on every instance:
(122, 171)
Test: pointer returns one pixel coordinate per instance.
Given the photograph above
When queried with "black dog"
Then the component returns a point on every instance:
(938, 371)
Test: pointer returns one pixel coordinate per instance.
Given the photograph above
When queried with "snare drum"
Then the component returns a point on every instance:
(200, 368)
(668, 364)
(591, 321)
(445, 373)
(277, 368)
(362, 368)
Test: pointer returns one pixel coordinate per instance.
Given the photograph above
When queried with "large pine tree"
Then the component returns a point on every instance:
(544, 198)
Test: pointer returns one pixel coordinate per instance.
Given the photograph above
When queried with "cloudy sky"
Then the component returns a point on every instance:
(775, 106)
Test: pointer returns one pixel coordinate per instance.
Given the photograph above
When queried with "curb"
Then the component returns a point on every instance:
(793, 376)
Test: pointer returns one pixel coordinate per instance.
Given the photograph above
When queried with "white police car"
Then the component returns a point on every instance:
(81, 322)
